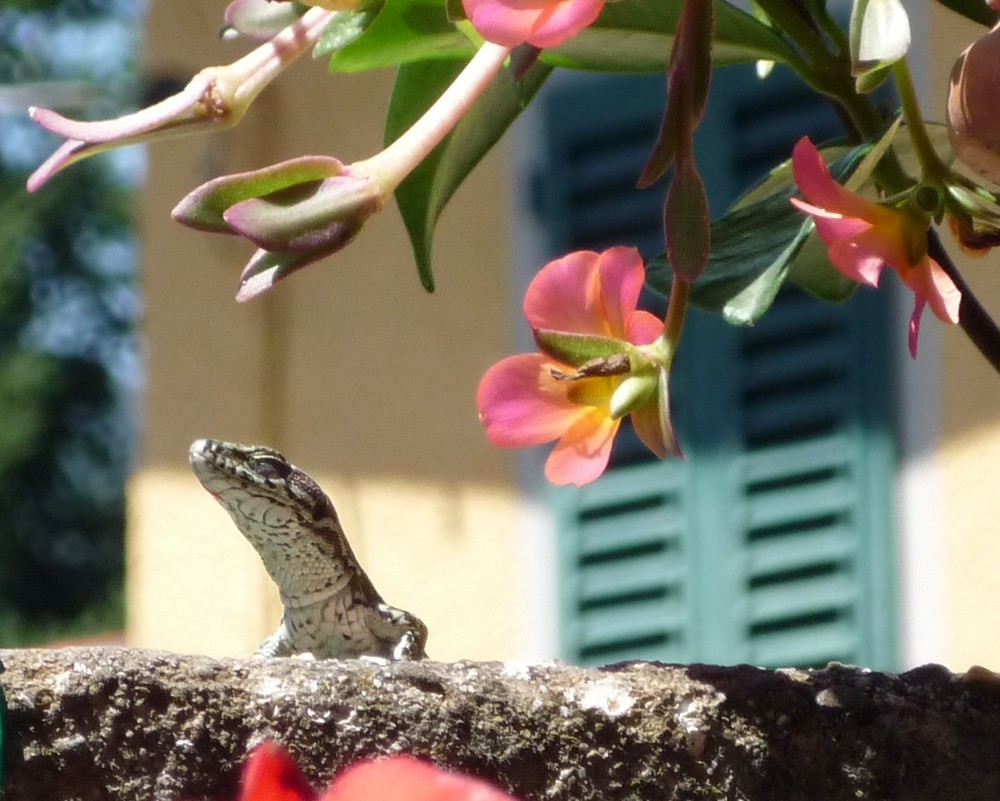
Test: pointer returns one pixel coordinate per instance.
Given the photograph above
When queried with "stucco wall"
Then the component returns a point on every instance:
(970, 428)
(349, 367)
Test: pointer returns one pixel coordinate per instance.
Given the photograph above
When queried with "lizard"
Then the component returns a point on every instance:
(331, 608)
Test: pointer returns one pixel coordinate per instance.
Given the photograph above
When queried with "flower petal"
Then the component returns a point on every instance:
(403, 778)
(864, 256)
(940, 291)
(506, 24)
(260, 19)
(324, 214)
(176, 109)
(204, 207)
(914, 336)
(564, 21)
(644, 328)
(584, 450)
(543, 23)
(646, 423)
(587, 293)
(521, 404)
(270, 774)
(931, 285)
(819, 188)
(621, 273)
(69, 152)
(858, 248)
(653, 423)
(265, 269)
(566, 296)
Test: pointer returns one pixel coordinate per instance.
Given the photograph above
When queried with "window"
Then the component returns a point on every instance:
(772, 542)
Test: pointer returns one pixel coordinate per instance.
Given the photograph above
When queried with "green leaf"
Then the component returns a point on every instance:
(426, 191)
(851, 163)
(405, 31)
(751, 250)
(343, 30)
(633, 36)
(756, 246)
(853, 173)
(811, 270)
(637, 36)
(577, 349)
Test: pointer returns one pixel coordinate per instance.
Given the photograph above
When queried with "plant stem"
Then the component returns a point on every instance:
(244, 79)
(394, 163)
(673, 321)
(931, 163)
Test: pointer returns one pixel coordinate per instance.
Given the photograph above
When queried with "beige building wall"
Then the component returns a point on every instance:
(969, 457)
(368, 383)
(349, 367)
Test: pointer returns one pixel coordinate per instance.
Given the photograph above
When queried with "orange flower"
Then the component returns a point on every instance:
(542, 23)
(601, 359)
(863, 237)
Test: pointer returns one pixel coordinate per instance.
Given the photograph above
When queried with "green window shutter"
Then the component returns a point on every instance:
(771, 543)
(813, 487)
(625, 576)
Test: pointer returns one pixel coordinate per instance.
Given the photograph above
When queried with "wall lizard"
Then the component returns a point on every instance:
(332, 609)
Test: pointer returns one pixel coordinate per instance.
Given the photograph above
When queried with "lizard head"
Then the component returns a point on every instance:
(259, 485)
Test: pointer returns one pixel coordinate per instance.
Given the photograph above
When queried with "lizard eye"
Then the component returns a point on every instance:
(270, 466)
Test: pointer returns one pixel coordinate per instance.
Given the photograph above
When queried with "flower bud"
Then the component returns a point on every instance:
(973, 124)
(633, 393)
(879, 36)
(260, 19)
(296, 212)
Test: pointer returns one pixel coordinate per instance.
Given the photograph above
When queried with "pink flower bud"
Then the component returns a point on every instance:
(973, 123)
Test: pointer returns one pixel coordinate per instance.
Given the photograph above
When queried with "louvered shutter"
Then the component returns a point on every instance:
(771, 543)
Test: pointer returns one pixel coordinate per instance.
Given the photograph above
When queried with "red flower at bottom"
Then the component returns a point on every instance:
(270, 774)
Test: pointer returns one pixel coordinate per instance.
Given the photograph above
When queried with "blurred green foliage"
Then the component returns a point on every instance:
(65, 436)
(69, 369)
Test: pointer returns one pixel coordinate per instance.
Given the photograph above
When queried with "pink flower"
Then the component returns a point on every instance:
(270, 774)
(601, 359)
(542, 23)
(862, 237)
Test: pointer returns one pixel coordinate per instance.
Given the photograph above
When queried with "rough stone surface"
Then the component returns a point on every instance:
(116, 723)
